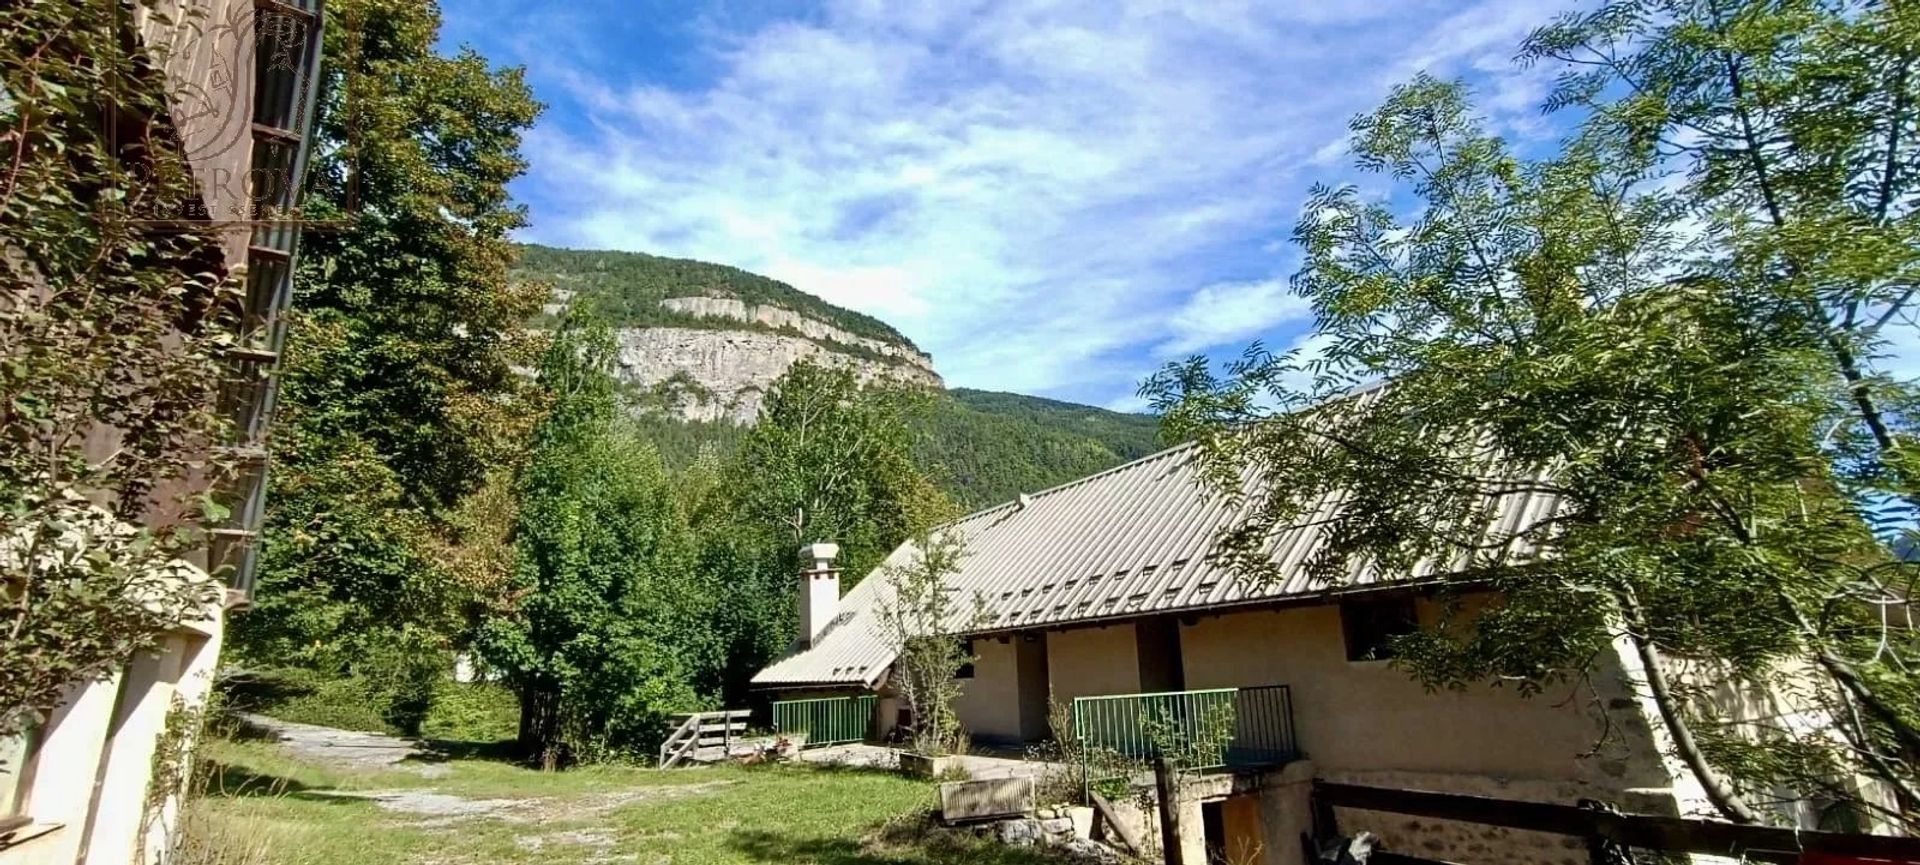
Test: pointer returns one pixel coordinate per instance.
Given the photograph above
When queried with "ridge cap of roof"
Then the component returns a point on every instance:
(1034, 496)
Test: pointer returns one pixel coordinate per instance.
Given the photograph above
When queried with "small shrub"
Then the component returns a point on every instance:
(305, 697)
(472, 712)
(403, 676)
(918, 624)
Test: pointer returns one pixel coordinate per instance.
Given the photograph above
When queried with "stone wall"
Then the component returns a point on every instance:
(1479, 844)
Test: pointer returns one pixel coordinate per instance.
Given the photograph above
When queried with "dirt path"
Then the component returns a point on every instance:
(346, 749)
(427, 807)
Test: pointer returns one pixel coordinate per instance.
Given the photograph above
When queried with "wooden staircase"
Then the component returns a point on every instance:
(698, 731)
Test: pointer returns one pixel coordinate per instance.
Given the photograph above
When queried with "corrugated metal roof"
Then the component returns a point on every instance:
(1127, 542)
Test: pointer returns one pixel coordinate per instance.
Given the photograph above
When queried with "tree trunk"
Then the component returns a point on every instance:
(539, 727)
(1167, 787)
(1719, 791)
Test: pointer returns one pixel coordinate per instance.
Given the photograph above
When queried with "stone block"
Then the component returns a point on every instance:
(1082, 818)
(923, 766)
(1091, 851)
(1018, 833)
(961, 801)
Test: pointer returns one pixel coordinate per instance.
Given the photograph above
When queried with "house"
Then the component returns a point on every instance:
(91, 783)
(1101, 593)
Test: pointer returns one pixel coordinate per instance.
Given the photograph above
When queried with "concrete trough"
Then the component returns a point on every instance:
(990, 799)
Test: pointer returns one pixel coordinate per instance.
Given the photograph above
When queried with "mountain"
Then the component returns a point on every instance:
(985, 447)
(703, 341)
(700, 343)
(633, 286)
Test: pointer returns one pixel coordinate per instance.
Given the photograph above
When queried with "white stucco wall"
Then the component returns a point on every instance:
(104, 735)
(989, 704)
(1089, 662)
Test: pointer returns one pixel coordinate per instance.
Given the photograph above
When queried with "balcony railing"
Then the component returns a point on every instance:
(826, 721)
(1222, 728)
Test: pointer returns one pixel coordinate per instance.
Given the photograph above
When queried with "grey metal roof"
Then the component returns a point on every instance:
(1127, 542)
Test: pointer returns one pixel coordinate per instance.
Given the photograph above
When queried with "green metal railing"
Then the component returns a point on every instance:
(825, 721)
(1222, 728)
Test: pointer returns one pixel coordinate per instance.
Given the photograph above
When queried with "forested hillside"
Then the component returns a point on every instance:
(980, 447)
(985, 447)
(629, 286)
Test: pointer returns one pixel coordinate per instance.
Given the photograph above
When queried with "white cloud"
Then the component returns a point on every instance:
(1232, 313)
(1049, 195)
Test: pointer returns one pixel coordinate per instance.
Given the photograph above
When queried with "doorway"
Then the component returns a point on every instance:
(1157, 642)
(1213, 822)
(1233, 832)
(1030, 669)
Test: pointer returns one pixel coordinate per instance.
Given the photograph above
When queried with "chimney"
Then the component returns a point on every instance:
(819, 590)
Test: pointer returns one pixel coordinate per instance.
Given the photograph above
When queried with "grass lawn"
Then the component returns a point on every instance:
(263, 807)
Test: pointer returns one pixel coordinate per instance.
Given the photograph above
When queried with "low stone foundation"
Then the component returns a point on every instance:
(1063, 828)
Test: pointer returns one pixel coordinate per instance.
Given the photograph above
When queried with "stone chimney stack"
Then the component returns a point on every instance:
(819, 590)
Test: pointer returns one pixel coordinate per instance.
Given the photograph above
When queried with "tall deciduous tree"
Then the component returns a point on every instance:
(605, 615)
(398, 398)
(830, 460)
(1628, 330)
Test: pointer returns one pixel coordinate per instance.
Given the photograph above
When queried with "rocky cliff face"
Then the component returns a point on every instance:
(786, 319)
(724, 374)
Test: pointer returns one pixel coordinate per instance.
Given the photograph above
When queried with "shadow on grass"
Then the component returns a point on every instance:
(228, 781)
(448, 750)
(915, 842)
(763, 846)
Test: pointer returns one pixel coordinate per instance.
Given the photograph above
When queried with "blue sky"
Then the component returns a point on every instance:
(1052, 197)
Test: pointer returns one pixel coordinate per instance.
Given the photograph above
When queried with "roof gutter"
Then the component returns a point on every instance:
(1249, 605)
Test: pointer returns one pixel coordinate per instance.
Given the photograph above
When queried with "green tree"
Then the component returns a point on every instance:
(1793, 132)
(1613, 330)
(832, 461)
(921, 621)
(398, 397)
(605, 613)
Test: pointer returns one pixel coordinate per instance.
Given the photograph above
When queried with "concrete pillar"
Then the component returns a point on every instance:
(199, 657)
(62, 787)
(115, 828)
(1286, 812)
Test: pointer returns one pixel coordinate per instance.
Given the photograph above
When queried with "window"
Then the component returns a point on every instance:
(966, 669)
(243, 400)
(279, 80)
(1371, 625)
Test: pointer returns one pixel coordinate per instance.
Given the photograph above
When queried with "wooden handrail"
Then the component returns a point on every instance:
(1649, 831)
(693, 731)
